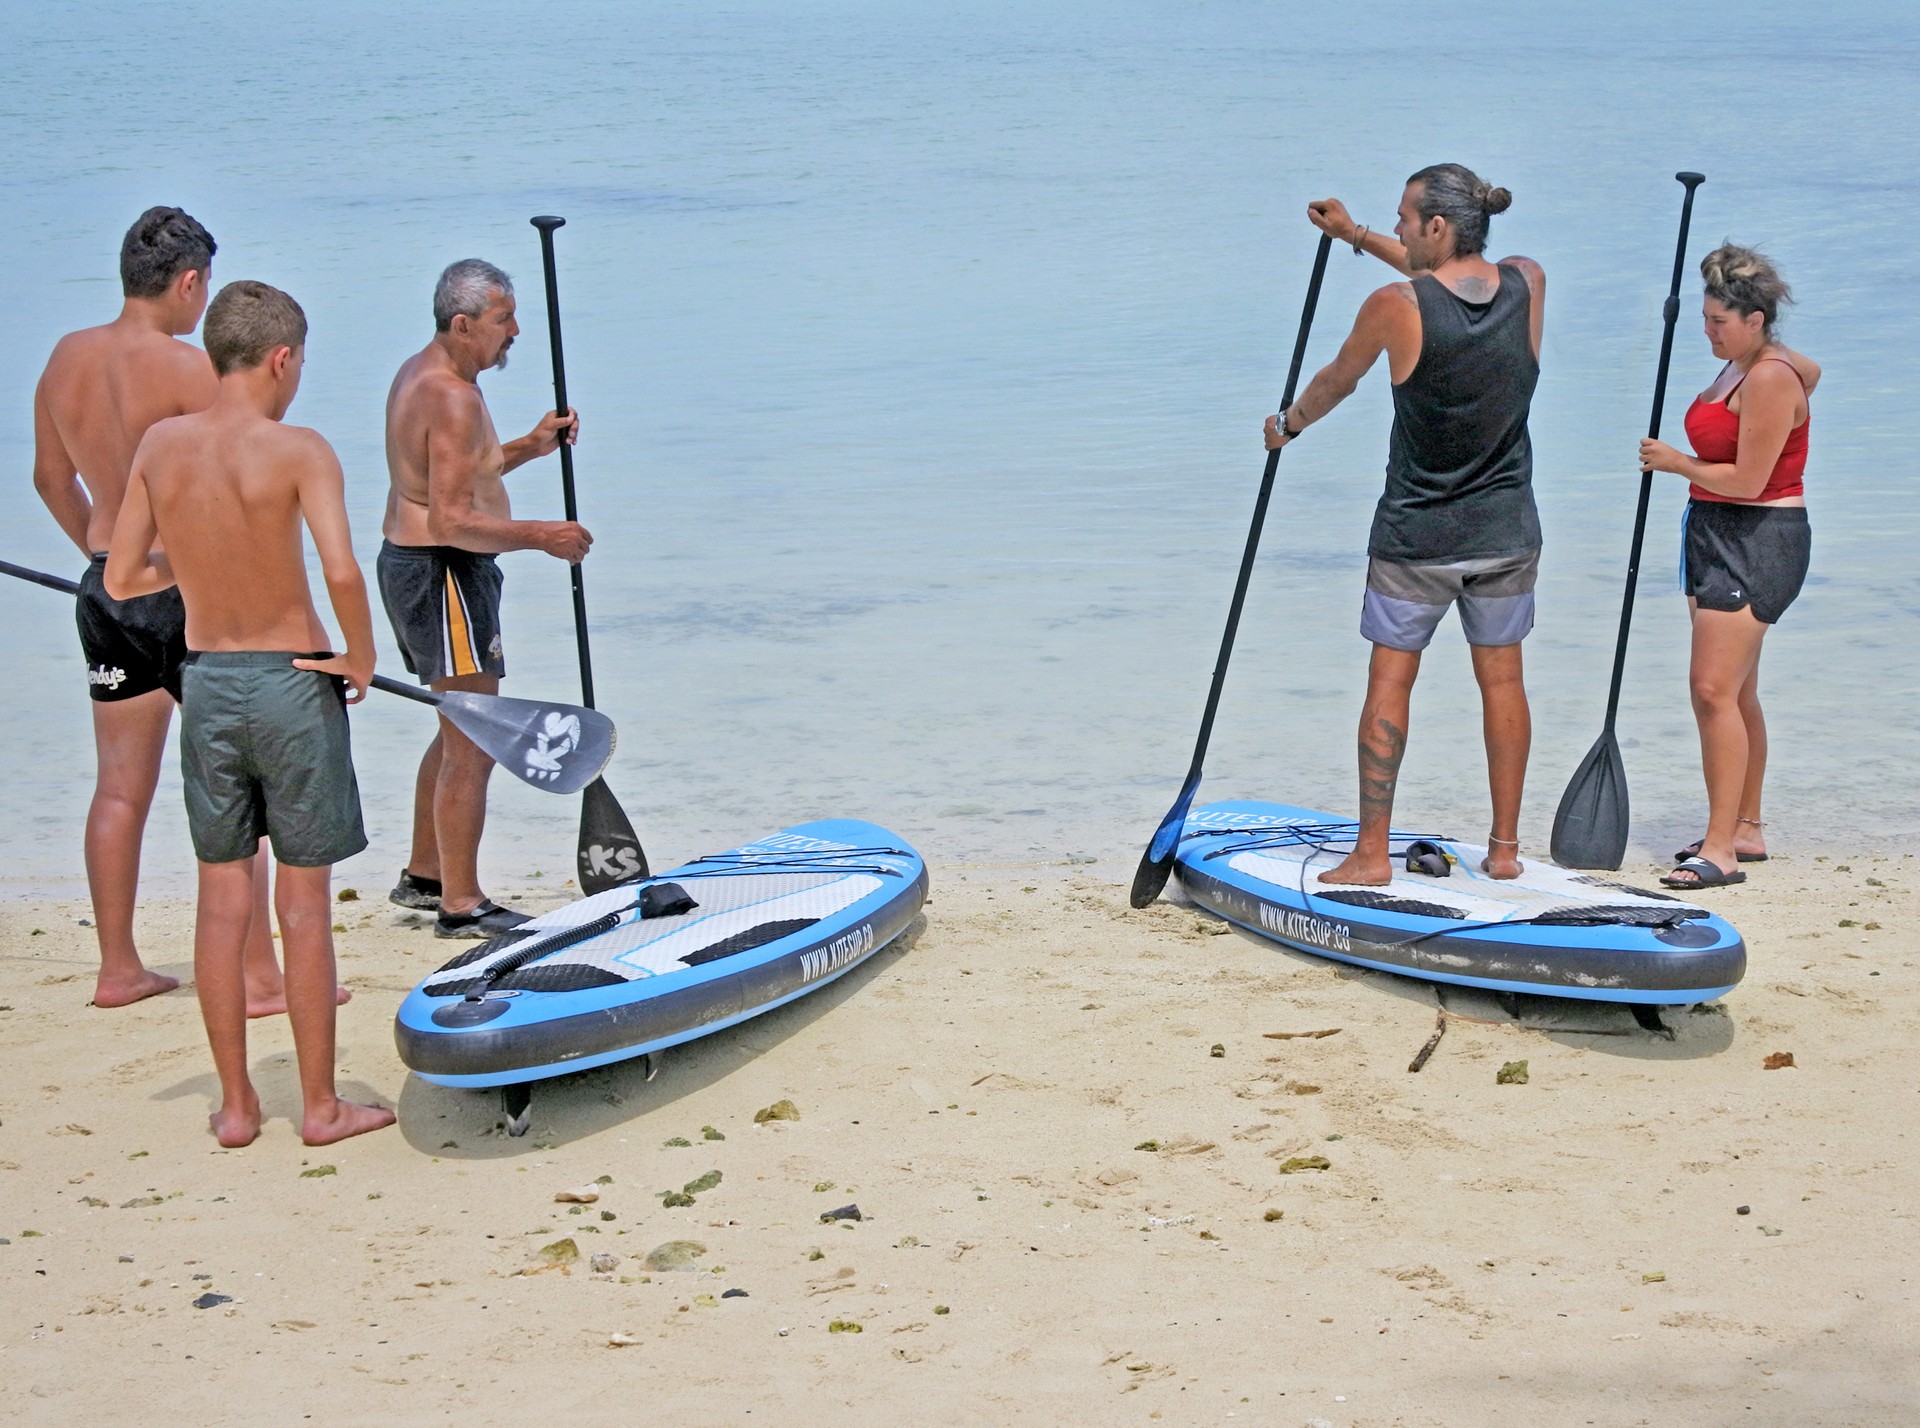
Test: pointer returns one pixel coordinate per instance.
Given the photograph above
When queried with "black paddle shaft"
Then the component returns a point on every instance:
(546, 223)
(1670, 315)
(1259, 513)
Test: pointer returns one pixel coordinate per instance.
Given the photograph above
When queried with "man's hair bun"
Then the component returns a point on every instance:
(1498, 200)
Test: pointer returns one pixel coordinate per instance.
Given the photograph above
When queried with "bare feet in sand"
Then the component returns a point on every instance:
(274, 1003)
(238, 1124)
(347, 1118)
(1361, 870)
(125, 991)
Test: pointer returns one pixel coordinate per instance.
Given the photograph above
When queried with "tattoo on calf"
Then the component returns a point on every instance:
(1381, 748)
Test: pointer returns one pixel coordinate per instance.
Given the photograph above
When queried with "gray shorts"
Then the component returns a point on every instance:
(1405, 603)
(264, 753)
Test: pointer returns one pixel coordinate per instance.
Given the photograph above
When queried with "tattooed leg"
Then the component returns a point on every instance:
(1383, 742)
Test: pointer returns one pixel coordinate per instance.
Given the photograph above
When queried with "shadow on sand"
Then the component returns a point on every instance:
(457, 1124)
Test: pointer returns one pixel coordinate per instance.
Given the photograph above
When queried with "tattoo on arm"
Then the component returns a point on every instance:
(1382, 744)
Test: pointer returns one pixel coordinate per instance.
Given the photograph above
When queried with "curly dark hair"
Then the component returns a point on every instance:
(162, 244)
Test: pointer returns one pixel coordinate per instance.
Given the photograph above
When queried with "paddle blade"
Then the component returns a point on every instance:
(610, 853)
(558, 748)
(1156, 864)
(1590, 827)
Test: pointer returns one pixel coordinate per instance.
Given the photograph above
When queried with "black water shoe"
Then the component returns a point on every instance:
(414, 892)
(489, 919)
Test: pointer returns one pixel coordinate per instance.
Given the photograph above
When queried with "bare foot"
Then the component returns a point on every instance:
(274, 1003)
(125, 991)
(237, 1125)
(1502, 865)
(1355, 869)
(347, 1118)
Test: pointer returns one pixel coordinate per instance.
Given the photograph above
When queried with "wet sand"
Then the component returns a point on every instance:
(1566, 1250)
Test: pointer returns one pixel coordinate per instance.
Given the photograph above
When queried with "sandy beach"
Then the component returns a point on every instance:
(1067, 1128)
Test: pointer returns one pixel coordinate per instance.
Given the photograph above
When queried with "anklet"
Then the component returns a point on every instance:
(1754, 821)
(1509, 842)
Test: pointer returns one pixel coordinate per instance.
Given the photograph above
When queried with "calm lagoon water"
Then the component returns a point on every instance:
(922, 351)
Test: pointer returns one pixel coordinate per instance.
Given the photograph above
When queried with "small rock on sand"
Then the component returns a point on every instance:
(585, 1195)
(211, 1300)
(604, 1263)
(845, 1212)
(674, 1255)
(557, 1255)
(1777, 1061)
(779, 1111)
(621, 1341)
(702, 1184)
(1295, 1163)
(1514, 1073)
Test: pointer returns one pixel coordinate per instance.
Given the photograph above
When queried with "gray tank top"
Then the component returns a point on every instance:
(1460, 463)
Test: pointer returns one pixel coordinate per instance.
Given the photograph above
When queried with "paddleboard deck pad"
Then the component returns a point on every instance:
(1551, 931)
(594, 983)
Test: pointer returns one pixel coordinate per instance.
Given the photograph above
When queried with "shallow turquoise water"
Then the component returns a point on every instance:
(922, 351)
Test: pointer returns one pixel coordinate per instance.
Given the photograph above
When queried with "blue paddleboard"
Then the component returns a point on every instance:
(1550, 931)
(775, 919)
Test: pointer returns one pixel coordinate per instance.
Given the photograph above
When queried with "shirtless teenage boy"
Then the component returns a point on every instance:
(263, 743)
(103, 387)
(447, 517)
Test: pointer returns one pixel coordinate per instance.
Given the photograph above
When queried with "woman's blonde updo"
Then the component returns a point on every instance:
(1745, 280)
(1459, 195)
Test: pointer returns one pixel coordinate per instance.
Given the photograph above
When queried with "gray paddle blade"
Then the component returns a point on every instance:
(1590, 827)
(560, 748)
(610, 853)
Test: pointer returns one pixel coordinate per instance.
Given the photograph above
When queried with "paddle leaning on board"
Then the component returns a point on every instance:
(557, 748)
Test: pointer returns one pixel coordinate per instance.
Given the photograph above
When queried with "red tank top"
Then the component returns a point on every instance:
(1715, 434)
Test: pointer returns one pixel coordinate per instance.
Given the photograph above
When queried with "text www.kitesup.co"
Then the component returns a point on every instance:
(836, 954)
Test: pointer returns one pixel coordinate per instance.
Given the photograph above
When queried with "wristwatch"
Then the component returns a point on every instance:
(1288, 432)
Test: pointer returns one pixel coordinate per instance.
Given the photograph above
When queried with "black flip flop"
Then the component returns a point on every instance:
(1705, 875)
(1693, 851)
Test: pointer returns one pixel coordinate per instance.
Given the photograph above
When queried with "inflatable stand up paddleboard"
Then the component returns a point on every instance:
(597, 981)
(1550, 931)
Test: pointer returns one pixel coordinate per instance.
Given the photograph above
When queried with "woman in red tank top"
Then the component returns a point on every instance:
(1746, 542)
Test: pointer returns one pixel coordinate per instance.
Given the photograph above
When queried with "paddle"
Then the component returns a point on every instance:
(558, 748)
(1156, 864)
(609, 851)
(1590, 826)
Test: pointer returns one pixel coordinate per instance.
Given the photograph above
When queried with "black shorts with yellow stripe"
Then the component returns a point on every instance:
(445, 607)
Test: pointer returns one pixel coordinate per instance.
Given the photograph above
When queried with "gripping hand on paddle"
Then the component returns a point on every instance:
(355, 669)
(1276, 438)
(564, 540)
(1330, 216)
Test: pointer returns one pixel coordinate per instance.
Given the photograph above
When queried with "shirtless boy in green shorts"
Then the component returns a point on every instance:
(263, 743)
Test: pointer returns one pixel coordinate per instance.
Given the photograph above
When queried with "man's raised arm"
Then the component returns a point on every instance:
(546, 436)
(1330, 216)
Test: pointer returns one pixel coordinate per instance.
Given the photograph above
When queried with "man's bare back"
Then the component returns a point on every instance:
(102, 389)
(226, 487)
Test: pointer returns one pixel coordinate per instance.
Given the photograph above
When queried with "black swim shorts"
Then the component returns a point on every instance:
(265, 753)
(445, 607)
(132, 647)
(1738, 556)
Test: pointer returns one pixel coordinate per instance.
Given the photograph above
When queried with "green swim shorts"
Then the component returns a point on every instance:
(264, 752)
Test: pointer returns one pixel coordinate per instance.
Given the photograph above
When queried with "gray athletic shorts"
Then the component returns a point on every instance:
(1405, 603)
(264, 753)
(445, 607)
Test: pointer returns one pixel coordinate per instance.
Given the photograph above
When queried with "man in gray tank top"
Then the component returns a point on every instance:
(1456, 524)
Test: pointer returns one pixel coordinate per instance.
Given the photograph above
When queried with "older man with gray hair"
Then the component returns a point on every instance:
(448, 516)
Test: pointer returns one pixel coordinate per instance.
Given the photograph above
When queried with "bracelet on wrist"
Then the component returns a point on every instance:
(1359, 239)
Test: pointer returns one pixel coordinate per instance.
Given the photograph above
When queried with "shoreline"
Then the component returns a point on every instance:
(1473, 1252)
